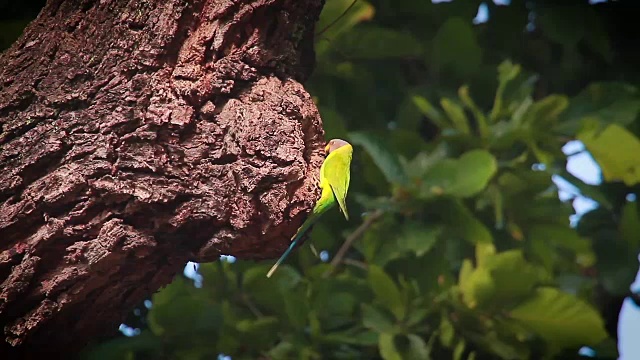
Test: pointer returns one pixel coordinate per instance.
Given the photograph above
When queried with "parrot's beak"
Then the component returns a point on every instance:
(327, 148)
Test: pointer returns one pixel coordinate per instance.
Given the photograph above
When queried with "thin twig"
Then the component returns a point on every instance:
(356, 263)
(350, 239)
(252, 307)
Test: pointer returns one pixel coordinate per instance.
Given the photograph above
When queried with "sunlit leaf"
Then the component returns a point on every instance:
(560, 319)
(387, 347)
(615, 149)
(463, 177)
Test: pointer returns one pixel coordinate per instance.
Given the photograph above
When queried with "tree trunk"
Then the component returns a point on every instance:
(136, 135)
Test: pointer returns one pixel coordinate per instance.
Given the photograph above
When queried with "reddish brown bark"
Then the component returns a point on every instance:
(139, 134)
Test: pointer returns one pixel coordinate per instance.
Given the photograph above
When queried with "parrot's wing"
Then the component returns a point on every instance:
(337, 171)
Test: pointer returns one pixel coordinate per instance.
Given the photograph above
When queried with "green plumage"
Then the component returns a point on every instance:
(335, 174)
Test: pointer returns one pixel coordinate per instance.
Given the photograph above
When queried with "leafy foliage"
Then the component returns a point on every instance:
(458, 130)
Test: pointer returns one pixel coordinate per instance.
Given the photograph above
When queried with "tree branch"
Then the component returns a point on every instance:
(351, 238)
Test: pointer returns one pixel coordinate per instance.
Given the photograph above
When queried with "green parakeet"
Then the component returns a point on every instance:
(335, 174)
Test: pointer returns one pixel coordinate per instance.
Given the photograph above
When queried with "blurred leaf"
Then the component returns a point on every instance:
(630, 225)
(447, 332)
(463, 222)
(428, 110)
(492, 282)
(560, 236)
(418, 349)
(507, 71)
(563, 24)
(382, 156)
(376, 320)
(463, 177)
(456, 113)
(591, 191)
(606, 102)
(478, 287)
(121, 348)
(386, 291)
(544, 112)
(484, 251)
(459, 350)
(282, 350)
(387, 347)
(455, 47)
(197, 311)
(418, 238)
(337, 9)
(296, 308)
(481, 119)
(423, 161)
(370, 42)
(333, 123)
(561, 319)
(615, 149)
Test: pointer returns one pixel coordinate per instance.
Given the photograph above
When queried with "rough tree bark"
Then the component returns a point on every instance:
(136, 135)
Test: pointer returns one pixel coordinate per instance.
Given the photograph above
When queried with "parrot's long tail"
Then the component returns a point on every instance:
(294, 242)
(284, 256)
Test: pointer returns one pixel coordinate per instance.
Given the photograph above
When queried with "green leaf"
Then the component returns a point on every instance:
(296, 307)
(507, 71)
(333, 123)
(481, 119)
(615, 149)
(196, 310)
(382, 156)
(591, 191)
(456, 113)
(630, 225)
(563, 24)
(493, 284)
(545, 112)
(428, 110)
(447, 332)
(604, 103)
(262, 331)
(120, 347)
(386, 291)
(376, 320)
(562, 320)
(478, 288)
(418, 238)
(462, 221)
(387, 347)
(484, 251)
(372, 42)
(418, 349)
(475, 169)
(560, 236)
(455, 48)
(463, 177)
(458, 351)
(337, 9)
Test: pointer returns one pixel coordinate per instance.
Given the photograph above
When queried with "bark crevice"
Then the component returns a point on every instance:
(137, 135)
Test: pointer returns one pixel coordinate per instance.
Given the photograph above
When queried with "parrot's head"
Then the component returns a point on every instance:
(334, 144)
